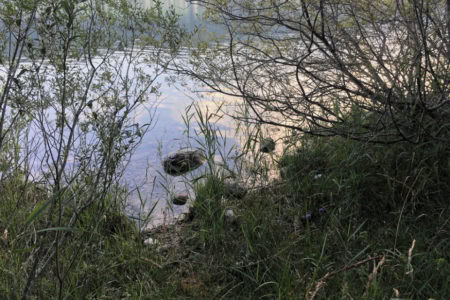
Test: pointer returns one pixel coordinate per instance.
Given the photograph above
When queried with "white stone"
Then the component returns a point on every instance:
(150, 241)
(229, 213)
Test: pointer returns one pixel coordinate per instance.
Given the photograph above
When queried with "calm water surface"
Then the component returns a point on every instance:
(166, 136)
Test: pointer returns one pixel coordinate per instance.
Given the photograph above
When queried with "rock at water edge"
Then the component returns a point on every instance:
(184, 161)
(267, 145)
(180, 199)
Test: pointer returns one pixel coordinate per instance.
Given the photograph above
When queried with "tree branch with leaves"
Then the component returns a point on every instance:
(374, 71)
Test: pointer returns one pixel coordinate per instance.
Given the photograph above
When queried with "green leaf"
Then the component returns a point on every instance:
(195, 180)
(66, 7)
(38, 210)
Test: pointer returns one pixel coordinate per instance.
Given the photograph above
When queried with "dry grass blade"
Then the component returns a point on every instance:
(409, 266)
(152, 262)
(372, 276)
(319, 285)
(396, 292)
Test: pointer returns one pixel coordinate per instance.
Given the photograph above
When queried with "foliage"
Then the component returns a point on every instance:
(305, 65)
(73, 78)
(349, 220)
(346, 220)
(105, 256)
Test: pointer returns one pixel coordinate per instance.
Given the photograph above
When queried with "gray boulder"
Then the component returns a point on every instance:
(183, 161)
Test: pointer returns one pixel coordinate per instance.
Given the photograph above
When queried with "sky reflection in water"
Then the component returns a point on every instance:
(166, 136)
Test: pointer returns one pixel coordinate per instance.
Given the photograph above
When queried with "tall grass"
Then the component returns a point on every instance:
(345, 220)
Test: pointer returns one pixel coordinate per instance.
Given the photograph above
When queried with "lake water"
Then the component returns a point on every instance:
(144, 176)
(166, 136)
